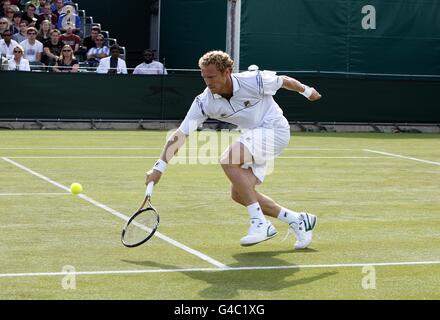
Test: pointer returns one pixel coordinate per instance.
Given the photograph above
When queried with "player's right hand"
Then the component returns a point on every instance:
(153, 176)
(315, 95)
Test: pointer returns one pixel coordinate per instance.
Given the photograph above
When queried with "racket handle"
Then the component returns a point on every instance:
(149, 191)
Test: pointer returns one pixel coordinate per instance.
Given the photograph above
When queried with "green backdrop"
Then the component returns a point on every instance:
(328, 35)
(189, 28)
(93, 96)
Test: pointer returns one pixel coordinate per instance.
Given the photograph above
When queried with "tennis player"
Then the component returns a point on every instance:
(246, 100)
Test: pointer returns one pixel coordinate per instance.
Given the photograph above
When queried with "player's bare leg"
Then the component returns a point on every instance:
(243, 192)
(231, 162)
(244, 186)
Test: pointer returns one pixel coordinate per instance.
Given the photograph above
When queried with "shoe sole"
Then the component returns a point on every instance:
(253, 244)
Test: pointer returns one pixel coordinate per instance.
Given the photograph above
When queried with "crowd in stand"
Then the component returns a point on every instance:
(48, 36)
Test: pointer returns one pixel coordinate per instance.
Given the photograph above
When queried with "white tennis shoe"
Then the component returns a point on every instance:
(303, 229)
(259, 231)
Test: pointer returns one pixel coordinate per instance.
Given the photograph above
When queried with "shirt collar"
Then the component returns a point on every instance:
(235, 87)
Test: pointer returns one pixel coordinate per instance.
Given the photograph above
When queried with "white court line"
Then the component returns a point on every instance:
(402, 157)
(185, 158)
(32, 194)
(221, 269)
(160, 148)
(120, 215)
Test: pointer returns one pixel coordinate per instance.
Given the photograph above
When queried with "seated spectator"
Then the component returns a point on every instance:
(44, 33)
(149, 66)
(113, 64)
(18, 63)
(52, 48)
(4, 25)
(30, 16)
(15, 26)
(98, 52)
(89, 42)
(7, 45)
(9, 14)
(71, 39)
(47, 15)
(57, 5)
(21, 36)
(69, 18)
(33, 49)
(5, 6)
(40, 6)
(57, 8)
(67, 61)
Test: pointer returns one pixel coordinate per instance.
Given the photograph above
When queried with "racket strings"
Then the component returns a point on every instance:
(141, 227)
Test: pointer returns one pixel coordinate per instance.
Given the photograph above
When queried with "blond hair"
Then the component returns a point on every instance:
(220, 59)
(62, 54)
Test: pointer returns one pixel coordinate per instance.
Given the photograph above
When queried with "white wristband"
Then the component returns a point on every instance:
(307, 91)
(160, 166)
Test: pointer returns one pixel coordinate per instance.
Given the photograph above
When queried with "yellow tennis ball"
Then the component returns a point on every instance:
(76, 188)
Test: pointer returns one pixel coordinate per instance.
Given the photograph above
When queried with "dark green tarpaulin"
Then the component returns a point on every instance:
(92, 96)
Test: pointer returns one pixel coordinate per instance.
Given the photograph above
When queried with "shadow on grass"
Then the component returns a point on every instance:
(228, 284)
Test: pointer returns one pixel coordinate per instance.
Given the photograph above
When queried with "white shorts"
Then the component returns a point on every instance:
(265, 144)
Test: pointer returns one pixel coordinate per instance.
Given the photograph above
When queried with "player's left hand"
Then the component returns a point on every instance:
(315, 95)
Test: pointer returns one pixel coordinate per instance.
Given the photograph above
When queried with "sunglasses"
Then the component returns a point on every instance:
(15, 51)
(99, 39)
(2, 22)
(67, 50)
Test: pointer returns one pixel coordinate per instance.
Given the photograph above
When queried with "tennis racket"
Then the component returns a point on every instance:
(142, 224)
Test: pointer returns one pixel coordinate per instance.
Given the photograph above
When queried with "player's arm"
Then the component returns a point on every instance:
(172, 146)
(294, 85)
(195, 117)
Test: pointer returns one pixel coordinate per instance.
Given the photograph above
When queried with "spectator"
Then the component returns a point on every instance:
(113, 64)
(69, 18)
(5, 6)
(67, 61)
(149, 66)
(44, 33)
(30, 16)
(18, 63)
(33, 48)
(7, 45)
(4, 25)
(40, 6)
(9, 14)
(15, 26)
(47, 15)
(21, 36)
(52, 48)
(57, 8)
(89, 42)
(71, 39)
(98, 52)
(57, 5)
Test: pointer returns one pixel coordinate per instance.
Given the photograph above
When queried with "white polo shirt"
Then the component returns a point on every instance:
(7, 51)
(251, 106)
(154, 67)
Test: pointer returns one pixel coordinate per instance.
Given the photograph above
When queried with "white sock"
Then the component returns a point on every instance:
(288, 216)
(255, 212)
